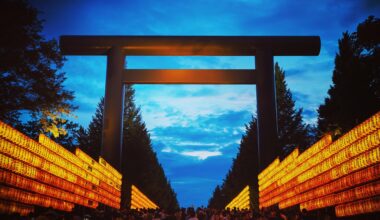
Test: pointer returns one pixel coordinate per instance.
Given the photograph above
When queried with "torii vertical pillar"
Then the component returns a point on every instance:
(113, 108)
(266, 108)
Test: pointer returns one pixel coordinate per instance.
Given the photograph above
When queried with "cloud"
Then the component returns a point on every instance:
(310, 114)
(299, 96)
(204, 132)
(167, 150)
(228, 119)
(293, 72)
(201, 155)
(184, 105)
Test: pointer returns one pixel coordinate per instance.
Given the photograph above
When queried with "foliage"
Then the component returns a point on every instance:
(244, 171)
(140, 165)
(69, 140)
(30, 81)
(90, 140)
(292, 131)
(355, 93)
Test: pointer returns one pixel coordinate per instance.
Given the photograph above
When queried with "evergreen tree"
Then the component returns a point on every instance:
(292, 131)
(216, 200)
(140, 165)
(244, 171)
(90, 140)
(30, 80)
(355, 93)
(83, 140)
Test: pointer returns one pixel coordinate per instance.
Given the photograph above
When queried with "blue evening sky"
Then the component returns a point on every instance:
(196, 129)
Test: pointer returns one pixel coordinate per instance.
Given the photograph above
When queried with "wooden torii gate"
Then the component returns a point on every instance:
(262, 47)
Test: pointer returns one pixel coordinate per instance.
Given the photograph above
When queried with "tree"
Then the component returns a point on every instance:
(216, 200)
(292, 131)
(355, 93)
(244, 170)
(140, 165)
(69, 139)
(30, 80)
(83, 141)
(91, 140)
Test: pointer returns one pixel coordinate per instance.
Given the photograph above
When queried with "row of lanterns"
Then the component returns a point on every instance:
(346, 182)
(49, 172)
(28, 165)
(140, 201)
(22, 182)
(79, 164)
(58, 155)
(358, 207)
(300, 165)
(364, 160)
(276, 174)
(98, 170)
(241, 201)
(361, 192)
(13, 207)
(9, 193)
(370, 125)
(311, 178)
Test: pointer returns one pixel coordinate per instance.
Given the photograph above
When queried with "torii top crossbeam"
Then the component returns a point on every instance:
(191, 45)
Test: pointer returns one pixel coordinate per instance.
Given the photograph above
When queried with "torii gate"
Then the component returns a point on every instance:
(262, 47)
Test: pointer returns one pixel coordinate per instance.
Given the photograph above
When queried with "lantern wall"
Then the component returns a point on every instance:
(344, 174)
(46, 174)
(241, 201)
(141, 201)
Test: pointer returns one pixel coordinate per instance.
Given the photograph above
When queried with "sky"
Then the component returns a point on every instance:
(196, 130)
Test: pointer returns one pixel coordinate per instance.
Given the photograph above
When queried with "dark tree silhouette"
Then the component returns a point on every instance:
(292, 131)
(30, 80)
(83, 141)
(355, 93)
(216, 200)
(140, 165)
(90, 140)
(244, 171)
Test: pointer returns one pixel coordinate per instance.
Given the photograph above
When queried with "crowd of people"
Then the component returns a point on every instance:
(213, 214)
(159, 214)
